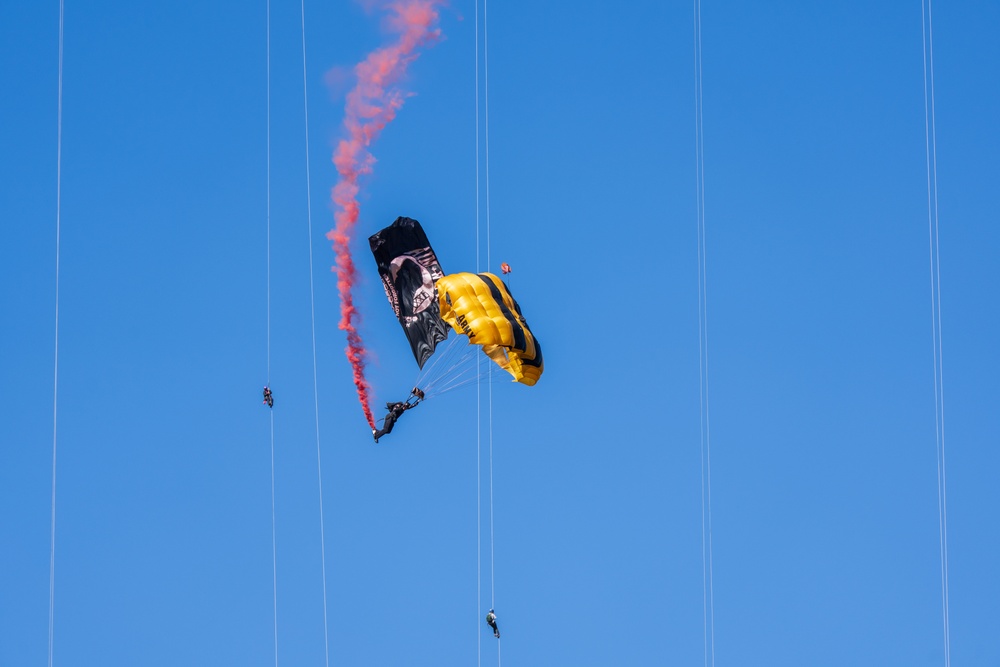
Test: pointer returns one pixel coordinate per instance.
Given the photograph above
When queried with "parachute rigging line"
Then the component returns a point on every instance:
(274, 539)
(312, 306)
(708, 593)
(55, 380)
(930, 147)
(451, 367)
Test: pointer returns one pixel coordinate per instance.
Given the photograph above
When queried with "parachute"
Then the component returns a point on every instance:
(481, 307)
(429, 304)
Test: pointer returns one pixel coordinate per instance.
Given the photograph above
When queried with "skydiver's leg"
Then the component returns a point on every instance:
(387, 425)
(390, 421)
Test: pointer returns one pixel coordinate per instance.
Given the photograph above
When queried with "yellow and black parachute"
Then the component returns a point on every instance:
(478, 307)
(481, 307)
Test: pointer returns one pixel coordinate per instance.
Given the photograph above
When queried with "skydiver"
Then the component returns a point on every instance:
(268, 397)
(491, 620)
(395, 410)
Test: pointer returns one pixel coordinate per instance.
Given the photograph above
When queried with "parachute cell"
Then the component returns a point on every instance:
(482, 308)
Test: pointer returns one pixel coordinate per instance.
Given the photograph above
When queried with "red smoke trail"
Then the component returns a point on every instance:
(371, 105)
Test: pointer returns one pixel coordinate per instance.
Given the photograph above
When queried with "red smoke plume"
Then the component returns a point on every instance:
(371, 105)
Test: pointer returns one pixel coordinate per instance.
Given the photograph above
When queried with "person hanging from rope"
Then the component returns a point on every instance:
(268, 397)
(491, 620)
(395, 410)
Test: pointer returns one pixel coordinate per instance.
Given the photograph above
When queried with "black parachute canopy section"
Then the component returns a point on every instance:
(409, 270)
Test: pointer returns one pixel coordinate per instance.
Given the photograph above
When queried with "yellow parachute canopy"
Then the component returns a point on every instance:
(481, 307)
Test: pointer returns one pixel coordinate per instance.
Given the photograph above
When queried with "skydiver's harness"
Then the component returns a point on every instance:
(416, 395)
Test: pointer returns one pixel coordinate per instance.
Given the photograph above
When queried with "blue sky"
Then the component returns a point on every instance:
(824, 491)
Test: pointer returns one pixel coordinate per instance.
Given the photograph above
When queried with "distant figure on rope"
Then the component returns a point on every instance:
(268, 397)
(491, 620)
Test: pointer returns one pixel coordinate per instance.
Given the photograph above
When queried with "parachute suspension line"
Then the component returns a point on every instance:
(461, 378)
(274, 538)
(451, 367)
(447, 356)
(708, 593)
(930, 146)
(55, 380)
(312, 306)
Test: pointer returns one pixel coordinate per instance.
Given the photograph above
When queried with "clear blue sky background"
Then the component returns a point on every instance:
(825, 517)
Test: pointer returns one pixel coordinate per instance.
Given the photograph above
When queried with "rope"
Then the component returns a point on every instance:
(462, 378)
(486, 134)
(274, 550)
(479, 516)
(930, 146)
(55, 380)
(708, 593)
(268, 49)
(479, 402)
(274, 538)
(489, 261)
(312, 306)
(493, 598)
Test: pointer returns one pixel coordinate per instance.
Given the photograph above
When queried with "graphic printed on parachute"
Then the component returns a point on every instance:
(410, 283)
(466, 329)
(409, 270)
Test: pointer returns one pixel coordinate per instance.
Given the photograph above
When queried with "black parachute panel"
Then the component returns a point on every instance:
(409, 270)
